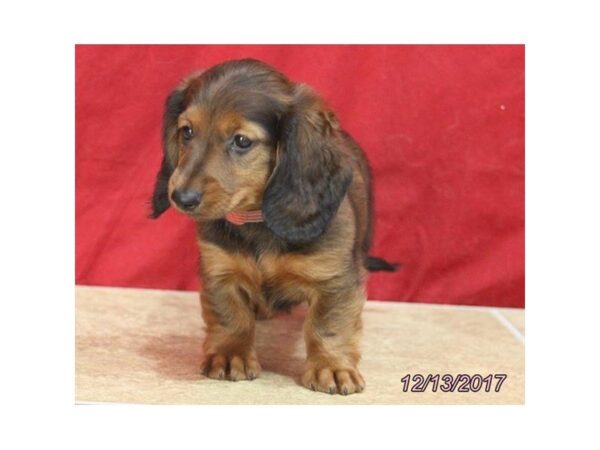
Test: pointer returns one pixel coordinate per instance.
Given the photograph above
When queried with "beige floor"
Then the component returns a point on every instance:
(144, 346)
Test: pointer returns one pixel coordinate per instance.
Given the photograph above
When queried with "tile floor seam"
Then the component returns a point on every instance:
(508, 325)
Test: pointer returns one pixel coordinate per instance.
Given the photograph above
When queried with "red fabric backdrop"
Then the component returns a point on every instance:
(443, 128)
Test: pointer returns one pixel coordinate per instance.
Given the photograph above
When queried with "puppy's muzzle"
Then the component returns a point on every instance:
(186, 199)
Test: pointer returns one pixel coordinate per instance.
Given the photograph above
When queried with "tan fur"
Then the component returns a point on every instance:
(241, 284)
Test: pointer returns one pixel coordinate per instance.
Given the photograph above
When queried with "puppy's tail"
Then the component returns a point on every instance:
(374, 264)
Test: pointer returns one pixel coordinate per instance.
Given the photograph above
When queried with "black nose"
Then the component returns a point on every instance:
(186, 199)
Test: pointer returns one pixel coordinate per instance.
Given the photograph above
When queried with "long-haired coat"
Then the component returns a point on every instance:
(282, 198)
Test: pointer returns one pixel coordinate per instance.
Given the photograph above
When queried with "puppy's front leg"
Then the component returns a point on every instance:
(332, 332)
(229, 345)
(230, 286)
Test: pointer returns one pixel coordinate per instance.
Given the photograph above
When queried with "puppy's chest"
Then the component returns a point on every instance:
(289, 279)
(277, 280)
(273, 274)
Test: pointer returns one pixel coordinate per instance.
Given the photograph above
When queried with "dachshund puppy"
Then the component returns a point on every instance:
(282, 198)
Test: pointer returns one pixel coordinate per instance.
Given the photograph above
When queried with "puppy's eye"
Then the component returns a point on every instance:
(187, 133)
(241, 142)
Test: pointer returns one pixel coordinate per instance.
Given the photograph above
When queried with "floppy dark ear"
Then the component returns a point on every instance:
(311, 175)
(160, 197)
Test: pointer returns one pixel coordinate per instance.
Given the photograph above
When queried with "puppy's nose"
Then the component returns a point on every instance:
(186, 199)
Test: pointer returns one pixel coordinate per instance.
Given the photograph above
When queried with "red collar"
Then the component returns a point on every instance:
(242, 217)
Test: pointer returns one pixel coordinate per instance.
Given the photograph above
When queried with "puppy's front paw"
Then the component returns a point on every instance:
(325, 379)
(231, 367)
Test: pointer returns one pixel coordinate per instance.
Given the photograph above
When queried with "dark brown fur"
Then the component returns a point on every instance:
(311, 181)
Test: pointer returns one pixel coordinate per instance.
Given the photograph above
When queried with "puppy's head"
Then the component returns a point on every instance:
(242, 137)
